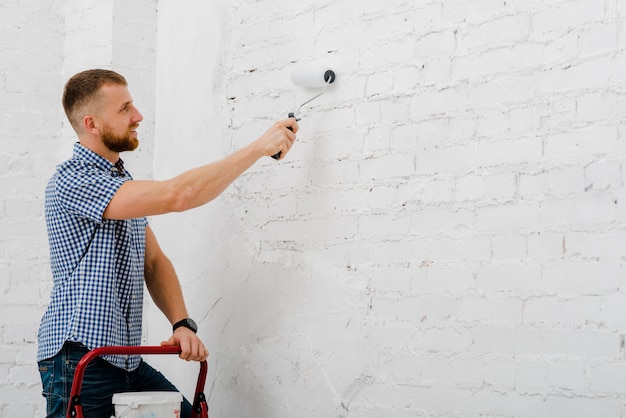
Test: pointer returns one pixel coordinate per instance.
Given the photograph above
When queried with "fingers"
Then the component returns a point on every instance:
(191, 347)
(292, 125)
(281, 137)
(168, 342)
(193, 350)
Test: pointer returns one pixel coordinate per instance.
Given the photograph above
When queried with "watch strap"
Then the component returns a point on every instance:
(187, 323)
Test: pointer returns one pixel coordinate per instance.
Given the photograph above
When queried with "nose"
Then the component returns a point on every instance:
(138, 116)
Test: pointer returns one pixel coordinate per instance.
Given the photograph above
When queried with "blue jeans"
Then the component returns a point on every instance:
(100, 382)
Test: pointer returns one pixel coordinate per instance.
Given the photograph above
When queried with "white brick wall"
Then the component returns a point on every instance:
(30, 43)
(41, 44)
(444, 240)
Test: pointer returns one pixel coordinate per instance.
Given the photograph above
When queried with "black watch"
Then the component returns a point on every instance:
(187, 323)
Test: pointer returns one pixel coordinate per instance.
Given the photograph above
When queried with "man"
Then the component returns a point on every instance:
(102, 248)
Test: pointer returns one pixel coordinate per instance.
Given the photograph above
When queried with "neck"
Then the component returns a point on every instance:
(96, 145)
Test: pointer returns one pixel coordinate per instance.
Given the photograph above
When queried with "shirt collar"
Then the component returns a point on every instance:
(83, 153)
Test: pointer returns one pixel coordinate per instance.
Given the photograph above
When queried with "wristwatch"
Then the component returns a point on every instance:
(187, 323)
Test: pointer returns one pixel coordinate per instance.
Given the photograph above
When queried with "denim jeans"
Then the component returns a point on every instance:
(100, 382)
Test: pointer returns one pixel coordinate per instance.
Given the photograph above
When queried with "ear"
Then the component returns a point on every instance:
(90, 125)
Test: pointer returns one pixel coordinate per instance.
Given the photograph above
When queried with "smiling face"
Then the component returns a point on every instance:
(117, 118)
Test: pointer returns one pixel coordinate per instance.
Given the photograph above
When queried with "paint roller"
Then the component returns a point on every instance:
(312, 77)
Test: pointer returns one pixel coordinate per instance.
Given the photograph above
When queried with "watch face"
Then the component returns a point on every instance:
(187, 323)
(192, 324)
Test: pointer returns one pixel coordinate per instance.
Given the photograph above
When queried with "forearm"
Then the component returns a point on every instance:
(199, 186)
(164, 288)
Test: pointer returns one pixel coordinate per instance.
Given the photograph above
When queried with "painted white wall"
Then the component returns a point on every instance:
(444, 240)
(190, 121)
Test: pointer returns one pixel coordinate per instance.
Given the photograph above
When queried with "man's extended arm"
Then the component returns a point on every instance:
(200, 185)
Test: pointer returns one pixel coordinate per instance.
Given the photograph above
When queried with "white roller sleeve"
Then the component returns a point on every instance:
(312, 76)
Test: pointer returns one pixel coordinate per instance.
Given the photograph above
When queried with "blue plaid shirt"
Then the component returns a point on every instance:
(97, 264)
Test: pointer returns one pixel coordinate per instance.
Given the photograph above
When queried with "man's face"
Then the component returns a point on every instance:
(119, 119)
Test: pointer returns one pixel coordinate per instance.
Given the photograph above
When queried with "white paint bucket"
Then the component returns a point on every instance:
(147, 404)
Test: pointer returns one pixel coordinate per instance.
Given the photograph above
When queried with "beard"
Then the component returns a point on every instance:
(119, 143)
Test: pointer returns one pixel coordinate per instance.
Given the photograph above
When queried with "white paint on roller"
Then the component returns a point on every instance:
(316, 76)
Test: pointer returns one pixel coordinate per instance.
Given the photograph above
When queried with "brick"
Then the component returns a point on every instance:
(546, 245)
(375, 56)
(499, 371)
(551, 21)
(389, 26)
(509, 276)
(388, 279)
(448, 100)
(436, 70)
(379, 83)
(512, 216)
(427, 16)
(395, 112)
(8, 354)
(580, 407)
(377, 140)
(532, 377)
(596, 106)
(602, 175)
(501, 91)
(405, 137)
(436, 192)
(517, 151)
(607, 377)
(387, 166)
(443, 340)
(590, 208)
(445, 158)
(474, 309)
(566, 181)
(506, 310)
(588, 74)
(508, 246)
(436, 44)
(436, 369)
(602, 246)
(468, 372)
(444, 249)
(509, 30)
(454, 278)
(429, 221)
(581, 276)
(612, 311)
(384, 225)
(470, 187)
(479, 65)
(569, 374)
(532, 184)
(472, 10)
(475, 249)
(20, 333)
(409, 250)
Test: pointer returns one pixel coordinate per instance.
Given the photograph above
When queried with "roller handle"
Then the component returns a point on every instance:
(278, 154)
